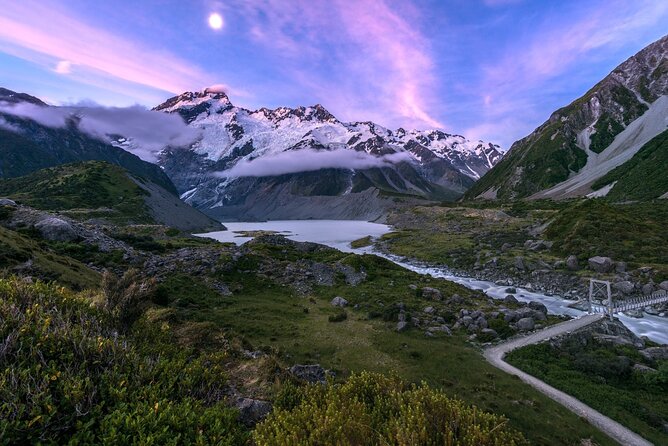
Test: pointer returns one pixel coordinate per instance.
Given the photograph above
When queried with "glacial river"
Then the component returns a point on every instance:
(339, 233)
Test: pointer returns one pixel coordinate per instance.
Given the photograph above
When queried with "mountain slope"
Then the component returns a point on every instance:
(27, 146)
(97, 189)
(643, 177)
(428, 164)
(584, 140)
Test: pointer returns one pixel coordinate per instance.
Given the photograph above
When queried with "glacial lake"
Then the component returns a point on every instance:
(339, 233)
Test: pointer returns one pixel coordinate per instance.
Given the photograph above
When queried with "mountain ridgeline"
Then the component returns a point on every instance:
(434, 164)
(580, 143)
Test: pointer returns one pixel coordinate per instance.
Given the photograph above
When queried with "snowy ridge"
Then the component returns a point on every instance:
(233, 133)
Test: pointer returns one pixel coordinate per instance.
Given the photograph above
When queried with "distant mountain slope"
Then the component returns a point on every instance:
(643, 177)
(97, 189)
(434, 165)
(27, 146)
(594, 134)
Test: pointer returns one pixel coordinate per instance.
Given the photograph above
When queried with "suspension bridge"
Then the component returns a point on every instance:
(601, 299)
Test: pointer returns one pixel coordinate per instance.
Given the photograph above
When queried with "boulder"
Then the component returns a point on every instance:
(537, 245)
(312, 373)
(489, 332)
(510, 316)
(624, 287)
(510, 299)
(428, 310)
(601, 264)
(466, 321)
(538, 306)
(339, 301)
(431, 293)
(526, 324)
(440, 329)
(519, 263)
(56, 229)
(511, 290)
(402, 325)
(648, 288)
(7, 202)
(656, 353)
(252, 411)
(664, 285)
(572, 263)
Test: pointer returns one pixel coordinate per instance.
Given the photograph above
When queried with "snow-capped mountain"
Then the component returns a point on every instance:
(428, 164)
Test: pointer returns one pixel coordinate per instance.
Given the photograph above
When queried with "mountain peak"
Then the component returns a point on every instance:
(207, 97)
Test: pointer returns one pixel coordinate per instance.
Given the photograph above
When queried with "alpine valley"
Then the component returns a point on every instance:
(203, 273)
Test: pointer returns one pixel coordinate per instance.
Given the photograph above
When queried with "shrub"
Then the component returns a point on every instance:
(338, 317)
(67, 375)
(123, 297)
(373, 409)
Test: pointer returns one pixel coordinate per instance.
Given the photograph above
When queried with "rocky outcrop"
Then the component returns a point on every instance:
(313, 374)
(601, 264)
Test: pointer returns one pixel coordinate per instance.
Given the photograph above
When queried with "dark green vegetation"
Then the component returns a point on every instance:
(643, 177)
(472, 233)
(93, 189)
(17, 249)
(602, 376)
(369, 409)
(68, 376)
(635, 232)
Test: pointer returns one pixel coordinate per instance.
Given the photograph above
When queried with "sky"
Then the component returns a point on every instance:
(485, 69)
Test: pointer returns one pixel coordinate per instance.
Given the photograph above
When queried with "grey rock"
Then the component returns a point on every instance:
(648, 288)
(431, 293)
(601, 264)
(519, 263)
(489, 332)
(511, 290)
(413, 287)
(252, 411)
(339, 301)
(466, 321)
(510, 299)
(625, 287)
(643, 368)
(440, 329)
(620, 267)
(312, 373)
(538, 306)
(56, 229)
(7, 202)
(572, 263)
(402, 325)
(506, 247)
(428, 310)
(526, 324)
(510, 316)
(539, 315)
(656, 353)
(664, 285)
(481, 322)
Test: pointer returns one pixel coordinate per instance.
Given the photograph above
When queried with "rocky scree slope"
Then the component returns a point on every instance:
(583, 141)
(435, 164)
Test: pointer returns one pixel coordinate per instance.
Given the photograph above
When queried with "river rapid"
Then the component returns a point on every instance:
(339, 233)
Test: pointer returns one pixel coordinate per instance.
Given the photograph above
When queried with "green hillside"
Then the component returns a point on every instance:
(92, 189)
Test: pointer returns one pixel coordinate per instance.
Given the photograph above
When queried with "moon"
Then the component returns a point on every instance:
(215, 21)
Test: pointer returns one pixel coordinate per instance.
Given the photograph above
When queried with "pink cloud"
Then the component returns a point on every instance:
(33, 29)
(382, 64)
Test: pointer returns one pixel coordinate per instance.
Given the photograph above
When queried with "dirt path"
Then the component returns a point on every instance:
(612, 428)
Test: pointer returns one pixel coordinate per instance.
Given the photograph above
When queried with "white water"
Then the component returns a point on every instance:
(339, 233)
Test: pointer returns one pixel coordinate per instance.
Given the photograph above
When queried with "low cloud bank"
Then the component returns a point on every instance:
(308, 160)
(149, 131)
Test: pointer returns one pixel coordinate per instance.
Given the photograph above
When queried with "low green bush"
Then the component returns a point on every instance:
(374, 409)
